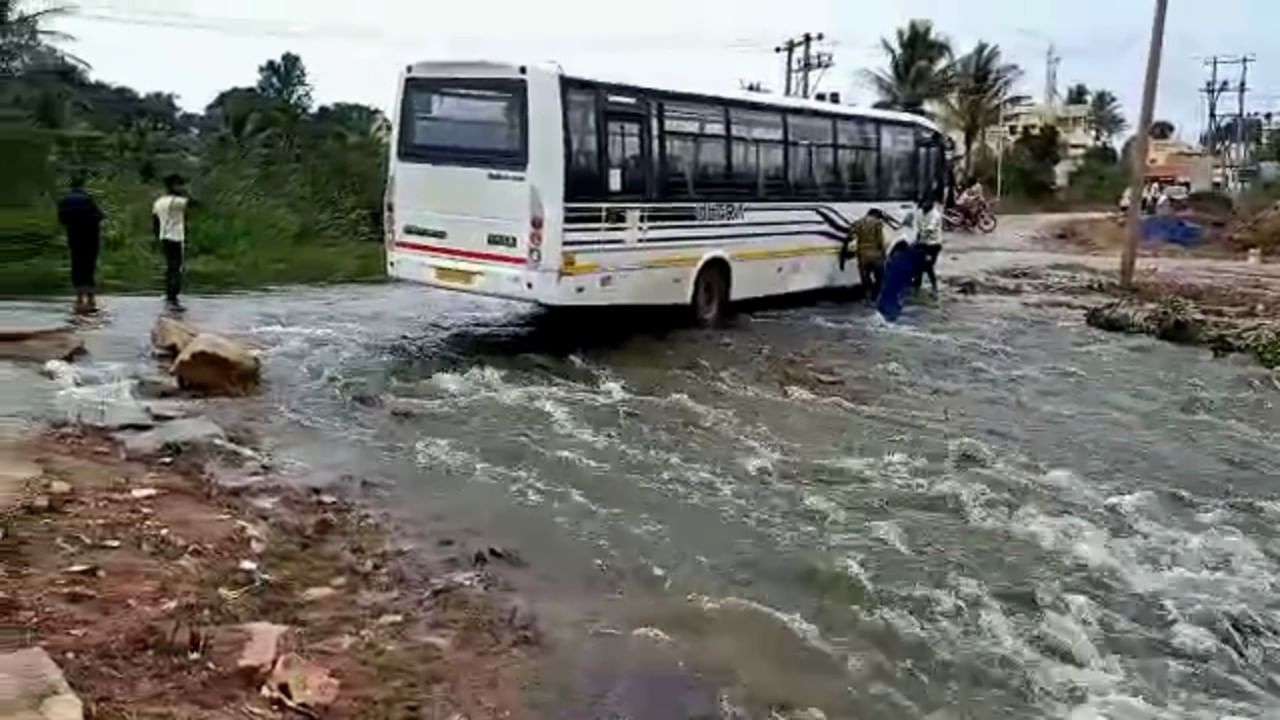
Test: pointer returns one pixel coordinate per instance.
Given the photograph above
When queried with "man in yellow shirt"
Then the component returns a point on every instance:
(867, 235)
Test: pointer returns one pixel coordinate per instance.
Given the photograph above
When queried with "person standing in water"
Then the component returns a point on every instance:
(929, 243)
(80, 215)
(169, 223)
(868, 236)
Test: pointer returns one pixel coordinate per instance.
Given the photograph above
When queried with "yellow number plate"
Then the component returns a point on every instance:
(456, 277)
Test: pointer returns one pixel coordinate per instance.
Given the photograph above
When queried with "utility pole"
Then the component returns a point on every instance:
(1242, 134)
(788, 47)
(1138, 160)
(809, 61)
(1212, 91)
(1232, 147)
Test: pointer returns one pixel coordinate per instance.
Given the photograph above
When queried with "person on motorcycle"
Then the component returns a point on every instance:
(972, 200)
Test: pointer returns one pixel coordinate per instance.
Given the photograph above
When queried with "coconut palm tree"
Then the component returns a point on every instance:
(982, 88)
(1105, 117)
(918, 71)
(22, 35)
(1078, 94)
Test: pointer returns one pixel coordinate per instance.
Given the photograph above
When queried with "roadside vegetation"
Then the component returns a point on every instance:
(289, 192)
(970, 92)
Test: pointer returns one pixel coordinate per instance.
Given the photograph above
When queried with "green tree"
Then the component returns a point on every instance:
(1078, 94)
(982, 86)
(1031, 166)
(1162, 130)
(285, 81)
(1105, 117)
(918, 71)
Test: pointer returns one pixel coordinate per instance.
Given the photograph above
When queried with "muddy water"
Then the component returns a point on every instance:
(988, 510)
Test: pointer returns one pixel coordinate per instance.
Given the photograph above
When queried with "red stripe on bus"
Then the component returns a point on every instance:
(455, 252)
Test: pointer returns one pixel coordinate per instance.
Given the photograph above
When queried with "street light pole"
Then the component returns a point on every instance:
(1138, 159)
(1000, 158)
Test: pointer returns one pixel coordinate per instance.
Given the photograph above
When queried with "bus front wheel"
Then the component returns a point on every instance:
(711, 295)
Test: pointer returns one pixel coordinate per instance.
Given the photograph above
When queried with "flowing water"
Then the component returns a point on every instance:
(988, 510)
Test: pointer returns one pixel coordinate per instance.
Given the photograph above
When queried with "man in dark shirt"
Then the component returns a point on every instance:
(82, 218)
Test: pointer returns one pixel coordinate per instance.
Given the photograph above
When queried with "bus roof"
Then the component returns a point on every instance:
(487, 68)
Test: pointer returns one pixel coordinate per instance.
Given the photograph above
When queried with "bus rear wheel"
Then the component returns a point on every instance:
(711, 295)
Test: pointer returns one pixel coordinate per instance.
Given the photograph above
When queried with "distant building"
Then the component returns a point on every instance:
(1072, 122)
(1174, 161)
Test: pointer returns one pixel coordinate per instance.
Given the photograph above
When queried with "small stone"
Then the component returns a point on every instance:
(40, 504)
(261, 647)
(111, 544)
(83, 569)
(338, 582)
(301, 682)
(390, 619)
(317, 594)
(79, 594)
(327, 500)
(60, 487)
(145, 493)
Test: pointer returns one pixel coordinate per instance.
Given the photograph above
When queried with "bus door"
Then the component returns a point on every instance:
(932, 175)
(628, 148)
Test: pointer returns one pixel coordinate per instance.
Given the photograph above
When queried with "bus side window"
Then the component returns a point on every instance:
(812, 155)
(857, 158)
(898, 161)
(759, 169)
(582, 166)
(696, 150)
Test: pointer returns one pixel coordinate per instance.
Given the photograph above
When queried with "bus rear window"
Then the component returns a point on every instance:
(479, 123)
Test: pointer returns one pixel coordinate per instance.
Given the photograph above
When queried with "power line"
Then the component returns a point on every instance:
(810, 61)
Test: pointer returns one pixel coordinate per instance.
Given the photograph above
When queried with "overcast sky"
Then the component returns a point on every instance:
(353, 50)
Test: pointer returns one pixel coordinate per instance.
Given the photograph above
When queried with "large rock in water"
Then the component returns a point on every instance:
(32, 687)
(48, 344)
(214, 365)
(170, 337)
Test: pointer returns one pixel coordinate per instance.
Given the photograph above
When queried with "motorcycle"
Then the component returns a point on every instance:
(982, 220)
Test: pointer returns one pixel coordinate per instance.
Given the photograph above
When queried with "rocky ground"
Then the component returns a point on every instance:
(1213, 298)
(156, 570)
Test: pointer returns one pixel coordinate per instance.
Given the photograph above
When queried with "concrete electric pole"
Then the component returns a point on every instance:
(1138, 159)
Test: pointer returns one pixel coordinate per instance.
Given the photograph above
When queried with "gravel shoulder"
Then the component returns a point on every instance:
(147, 583)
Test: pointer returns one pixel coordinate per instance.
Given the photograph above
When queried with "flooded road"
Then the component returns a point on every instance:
(987, 510)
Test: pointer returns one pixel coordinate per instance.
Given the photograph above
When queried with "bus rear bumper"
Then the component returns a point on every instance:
(514, 282)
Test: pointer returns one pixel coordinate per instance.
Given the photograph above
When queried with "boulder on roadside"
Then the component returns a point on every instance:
(32, 686)
(214, 365)
(170, 337)
(44, 345)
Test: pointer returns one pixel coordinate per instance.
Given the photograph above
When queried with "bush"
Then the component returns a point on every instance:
(1210, 202)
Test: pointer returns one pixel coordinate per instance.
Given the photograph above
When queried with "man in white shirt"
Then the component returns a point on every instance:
(929, 241)
(169, 222)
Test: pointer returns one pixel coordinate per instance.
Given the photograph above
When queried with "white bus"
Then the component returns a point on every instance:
(521, 182)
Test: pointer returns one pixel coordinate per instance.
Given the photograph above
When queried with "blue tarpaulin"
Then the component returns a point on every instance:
(1166, 228)
(905, 263)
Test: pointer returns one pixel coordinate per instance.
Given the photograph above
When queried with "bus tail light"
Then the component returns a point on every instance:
(389, 215)
(537, 221)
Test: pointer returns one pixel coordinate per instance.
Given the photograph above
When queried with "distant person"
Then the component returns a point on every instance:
(972, 200)
(169, 223)
(929, 243)
(868, 237)
(80, 215)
